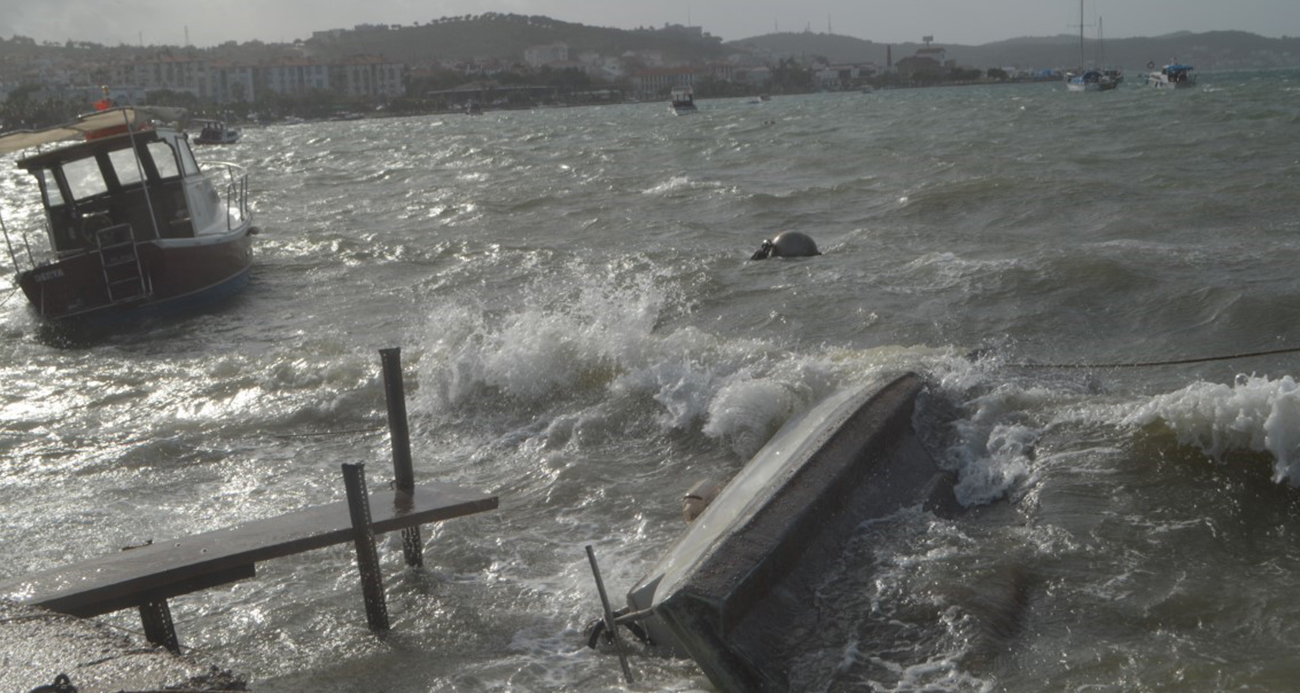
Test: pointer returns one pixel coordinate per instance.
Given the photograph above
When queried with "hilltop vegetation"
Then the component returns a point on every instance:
(507, 36)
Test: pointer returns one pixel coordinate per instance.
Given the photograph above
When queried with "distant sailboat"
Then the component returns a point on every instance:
(1085, 79)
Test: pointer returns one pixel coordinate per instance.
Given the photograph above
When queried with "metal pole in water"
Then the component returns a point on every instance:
(158, 626)
(372, 583)
(610, 624)
(13, 257)
(400, 435)
(397, 429)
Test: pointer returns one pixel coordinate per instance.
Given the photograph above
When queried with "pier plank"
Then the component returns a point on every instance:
(164, 569)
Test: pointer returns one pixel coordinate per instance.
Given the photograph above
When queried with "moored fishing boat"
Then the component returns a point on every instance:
(133, 223)
(735, 592)
(1172, 76)
(216, 132)
(683, 101)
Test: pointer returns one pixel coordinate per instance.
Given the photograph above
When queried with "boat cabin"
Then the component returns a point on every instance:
(1178, 74)
(148, 181)
(216, 132)
(133, 224)
(683, 100)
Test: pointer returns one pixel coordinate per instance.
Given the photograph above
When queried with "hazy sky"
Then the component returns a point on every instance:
(970, 22)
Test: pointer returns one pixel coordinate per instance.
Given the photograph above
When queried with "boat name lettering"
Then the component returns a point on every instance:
(49, 274)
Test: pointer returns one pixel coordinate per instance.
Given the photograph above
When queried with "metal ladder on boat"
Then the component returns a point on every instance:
(123, 274)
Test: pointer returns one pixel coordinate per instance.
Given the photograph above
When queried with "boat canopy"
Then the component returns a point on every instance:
(130, 116)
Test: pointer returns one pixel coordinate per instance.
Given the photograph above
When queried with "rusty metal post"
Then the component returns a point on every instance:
(395, 394)
(158, 626)
(610, 624)
(372, 583)
(400, 435)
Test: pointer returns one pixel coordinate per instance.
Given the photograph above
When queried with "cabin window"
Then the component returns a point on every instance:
(129, 171)
(49, 187)
(188, 164)
(84, 178)
(164, 159)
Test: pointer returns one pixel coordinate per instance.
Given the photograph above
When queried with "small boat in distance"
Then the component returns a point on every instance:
(683, 100)
(216, 132)
(133, 224)
(1172, 76)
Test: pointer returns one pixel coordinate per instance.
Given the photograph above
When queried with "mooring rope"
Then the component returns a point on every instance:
(349, 432)
(1155, 364)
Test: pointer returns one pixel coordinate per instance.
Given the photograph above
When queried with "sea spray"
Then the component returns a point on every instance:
(1254, 413)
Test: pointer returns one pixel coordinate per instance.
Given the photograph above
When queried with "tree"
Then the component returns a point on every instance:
(789, 77)
(711, 88)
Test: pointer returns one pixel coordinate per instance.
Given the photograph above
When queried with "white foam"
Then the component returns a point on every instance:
(594, 341)
(1253, 414)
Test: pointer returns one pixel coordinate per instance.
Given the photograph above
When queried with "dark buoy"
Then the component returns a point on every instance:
(787, 244)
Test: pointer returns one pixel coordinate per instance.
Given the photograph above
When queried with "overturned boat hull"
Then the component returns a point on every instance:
(736, 592)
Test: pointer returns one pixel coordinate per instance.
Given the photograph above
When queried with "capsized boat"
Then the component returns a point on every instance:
(735, 593)
(133, 224)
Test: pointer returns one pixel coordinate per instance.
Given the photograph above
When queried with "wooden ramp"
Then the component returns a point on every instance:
(147, 576)
(161, 570)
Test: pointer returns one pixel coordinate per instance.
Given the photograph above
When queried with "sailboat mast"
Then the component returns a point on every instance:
(1101, 45)
(1081, 60)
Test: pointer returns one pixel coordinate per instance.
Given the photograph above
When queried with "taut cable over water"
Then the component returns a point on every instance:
(1156, 364)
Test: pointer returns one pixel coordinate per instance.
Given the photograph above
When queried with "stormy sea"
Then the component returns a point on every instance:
(1100, 291)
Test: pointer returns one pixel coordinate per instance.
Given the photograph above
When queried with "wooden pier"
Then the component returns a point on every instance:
(146, 577)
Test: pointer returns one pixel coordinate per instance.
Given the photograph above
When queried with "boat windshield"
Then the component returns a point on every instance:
(84, 178)
(125, 165)
(139, 182)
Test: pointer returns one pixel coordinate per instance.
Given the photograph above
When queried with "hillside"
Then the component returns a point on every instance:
(1218, 50)
(506, 36)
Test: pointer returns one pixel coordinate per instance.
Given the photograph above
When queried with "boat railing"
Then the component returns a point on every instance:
(232, 179)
